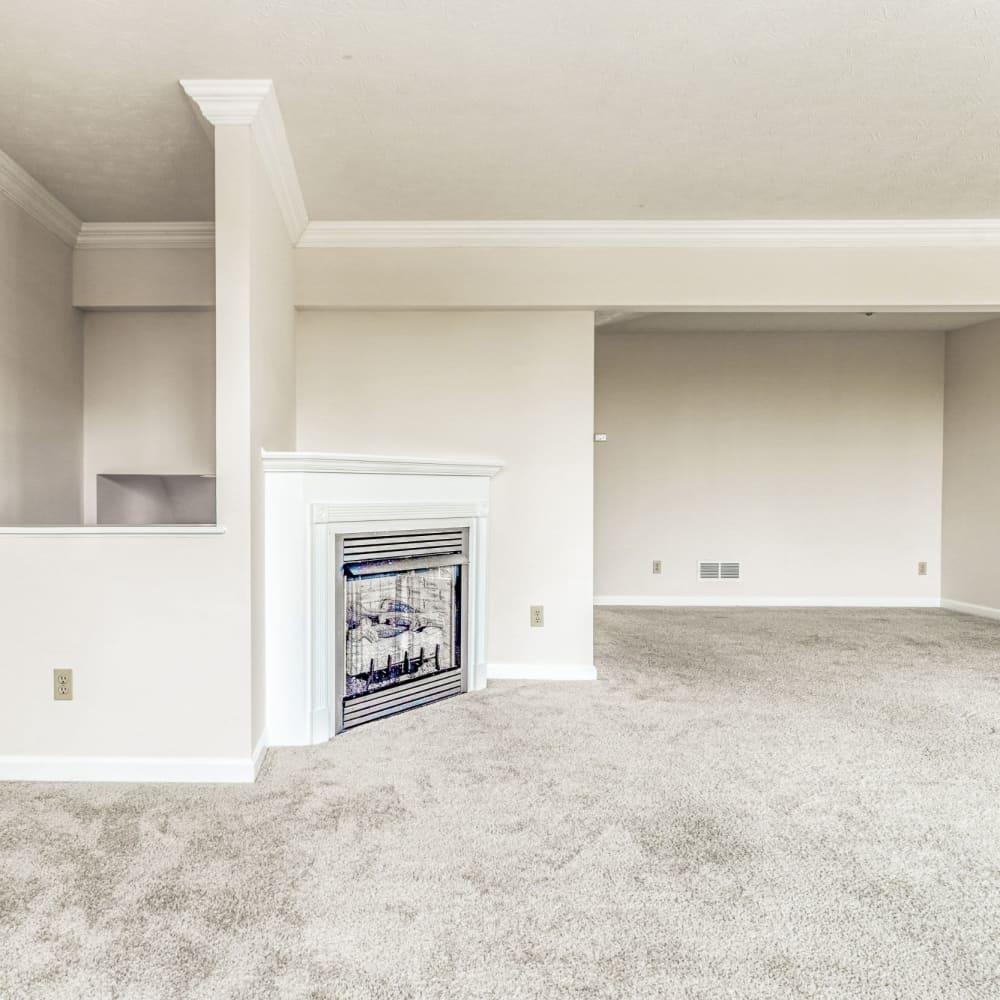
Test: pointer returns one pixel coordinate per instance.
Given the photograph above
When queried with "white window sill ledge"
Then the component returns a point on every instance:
(115, 529)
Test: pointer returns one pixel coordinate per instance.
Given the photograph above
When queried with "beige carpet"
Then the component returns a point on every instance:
(748, 804)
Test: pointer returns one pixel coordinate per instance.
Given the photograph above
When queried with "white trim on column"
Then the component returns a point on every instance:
(656, 233)
(146, 236)
(317, 461)
(737, 601)
(43, 206)
(541, 672)
(254, 103)
(979, 610)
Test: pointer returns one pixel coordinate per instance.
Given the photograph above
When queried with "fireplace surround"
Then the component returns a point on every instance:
(320, 512)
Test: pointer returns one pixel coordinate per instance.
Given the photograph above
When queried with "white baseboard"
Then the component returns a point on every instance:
(194, 770)
(540, 672)
(259, 753)
(740, 601)
(980, 610)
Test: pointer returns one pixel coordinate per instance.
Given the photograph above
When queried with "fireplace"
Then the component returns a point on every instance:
(402, 541)
(400, 605)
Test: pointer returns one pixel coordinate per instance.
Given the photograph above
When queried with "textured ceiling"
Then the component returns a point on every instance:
(881, 322)
(522, 109)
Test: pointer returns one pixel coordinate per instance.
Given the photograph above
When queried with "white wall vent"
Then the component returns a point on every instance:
(719, 571)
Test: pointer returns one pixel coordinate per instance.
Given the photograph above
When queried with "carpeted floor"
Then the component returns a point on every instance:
(748, 804)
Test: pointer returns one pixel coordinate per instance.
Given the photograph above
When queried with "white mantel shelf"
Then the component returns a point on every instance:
(317, 461)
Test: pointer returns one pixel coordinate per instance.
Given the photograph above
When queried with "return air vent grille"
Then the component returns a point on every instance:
(719, 571)
(397, 545)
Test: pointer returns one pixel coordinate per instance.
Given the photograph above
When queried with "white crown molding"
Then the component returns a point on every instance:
(22, 189)
(272, 141)
(626, 233)
(254, 103)
(228, 102)
(659, 601)
(308, 461)
(607, 318)
(146, 236)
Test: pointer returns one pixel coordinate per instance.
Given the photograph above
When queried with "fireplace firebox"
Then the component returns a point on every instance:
(401, 616)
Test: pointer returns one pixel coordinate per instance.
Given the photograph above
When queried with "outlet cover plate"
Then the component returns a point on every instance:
(62, 685)
(537, 616)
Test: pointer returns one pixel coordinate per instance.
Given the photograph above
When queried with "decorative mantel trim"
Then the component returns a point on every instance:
(607, 233)
(327, 513)
(254, 103)
(146, 236)
(314, 461)
(43, 206)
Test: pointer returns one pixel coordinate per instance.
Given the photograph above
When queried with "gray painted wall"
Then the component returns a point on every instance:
(41, 376)
(149, 395)
(815, 459)
(972, 467)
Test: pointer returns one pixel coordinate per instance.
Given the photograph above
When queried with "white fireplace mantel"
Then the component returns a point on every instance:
(308, 498)
(315, 461)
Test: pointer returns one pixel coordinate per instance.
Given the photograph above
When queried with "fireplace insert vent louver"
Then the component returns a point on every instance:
(370, 548)
(390, 700)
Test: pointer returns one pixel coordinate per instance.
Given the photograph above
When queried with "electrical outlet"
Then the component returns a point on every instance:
(62, 685)
(537, 616)
(657, 566)
(921, 569)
